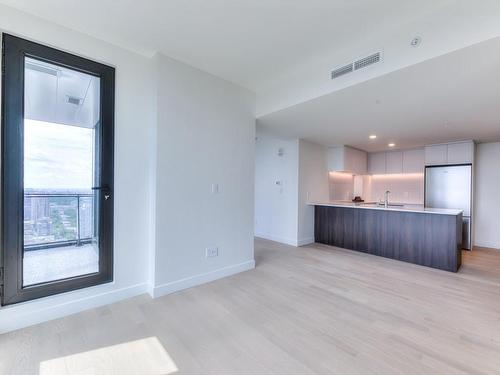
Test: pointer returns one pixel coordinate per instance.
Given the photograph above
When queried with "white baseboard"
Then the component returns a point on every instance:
(203, 278)
(284, 240)
(38, 311)
(490, 245)
(305, 241)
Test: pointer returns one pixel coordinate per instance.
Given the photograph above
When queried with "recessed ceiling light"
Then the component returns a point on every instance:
(373, 136)
(391, 144)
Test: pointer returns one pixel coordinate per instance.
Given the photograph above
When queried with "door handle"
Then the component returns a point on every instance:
(105, 189)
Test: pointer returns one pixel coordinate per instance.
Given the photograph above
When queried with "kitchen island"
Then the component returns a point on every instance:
(410, 233)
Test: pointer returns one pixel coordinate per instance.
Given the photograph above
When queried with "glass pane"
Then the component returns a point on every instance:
(61, 123)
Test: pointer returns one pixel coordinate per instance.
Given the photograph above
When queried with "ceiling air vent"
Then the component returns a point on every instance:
(73, 100)
(41, 68)
(364, 62)
(341, 71)
(356, 65)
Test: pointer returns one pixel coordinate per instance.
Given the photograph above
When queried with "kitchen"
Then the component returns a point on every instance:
(405, 196)
(403, 165)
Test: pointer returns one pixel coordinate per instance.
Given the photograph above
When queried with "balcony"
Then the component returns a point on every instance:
(59, 236)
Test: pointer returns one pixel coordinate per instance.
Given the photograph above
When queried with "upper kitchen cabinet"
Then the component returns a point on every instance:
(394, 162)
(413, 161)
(347, 159)
(377, 163)
(461, 153)
(450, 153)
(436, 155)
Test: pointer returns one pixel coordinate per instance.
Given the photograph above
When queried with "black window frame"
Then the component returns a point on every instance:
(14, 51)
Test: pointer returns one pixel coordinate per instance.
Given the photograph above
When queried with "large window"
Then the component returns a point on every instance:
(57, 177)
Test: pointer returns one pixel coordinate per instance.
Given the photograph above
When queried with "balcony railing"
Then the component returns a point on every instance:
(58, 219)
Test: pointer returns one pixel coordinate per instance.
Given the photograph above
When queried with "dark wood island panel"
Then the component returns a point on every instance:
(427, 239)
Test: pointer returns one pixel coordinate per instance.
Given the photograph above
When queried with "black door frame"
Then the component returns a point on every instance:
(14, 51)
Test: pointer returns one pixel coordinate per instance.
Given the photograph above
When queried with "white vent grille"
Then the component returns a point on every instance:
(362, 63)
(74, 101)
(341, 71)
(41, 68)
(357, 65)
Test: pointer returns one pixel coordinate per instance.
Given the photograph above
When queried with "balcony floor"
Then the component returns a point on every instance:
(59, 263)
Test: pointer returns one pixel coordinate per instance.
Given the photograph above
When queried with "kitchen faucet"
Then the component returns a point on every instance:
(386, 202)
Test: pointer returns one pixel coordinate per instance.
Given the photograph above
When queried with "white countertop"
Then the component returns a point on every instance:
(374, 206)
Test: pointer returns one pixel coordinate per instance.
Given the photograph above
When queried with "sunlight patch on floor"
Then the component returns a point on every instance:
(146, 357)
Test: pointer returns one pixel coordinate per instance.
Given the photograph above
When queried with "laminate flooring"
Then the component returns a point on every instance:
(308, 310)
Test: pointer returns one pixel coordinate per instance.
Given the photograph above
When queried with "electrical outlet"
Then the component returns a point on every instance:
(211, 252)
(215, 188)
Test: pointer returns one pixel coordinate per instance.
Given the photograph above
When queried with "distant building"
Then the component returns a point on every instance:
(51, 216)
(36, 208)
(86, 217)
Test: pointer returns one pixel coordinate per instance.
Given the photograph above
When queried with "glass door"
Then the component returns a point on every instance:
(57, 179)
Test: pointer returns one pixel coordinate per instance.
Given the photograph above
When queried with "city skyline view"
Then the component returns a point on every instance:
(58, 177)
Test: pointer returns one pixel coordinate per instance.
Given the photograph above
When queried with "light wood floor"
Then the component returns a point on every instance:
(311, 310)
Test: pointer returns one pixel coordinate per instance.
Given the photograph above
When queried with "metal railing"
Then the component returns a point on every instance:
(51, 205)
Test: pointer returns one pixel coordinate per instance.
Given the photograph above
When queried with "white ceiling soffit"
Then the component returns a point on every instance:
(60, 95)
(282, 50)
(452, 97)
(450, 26)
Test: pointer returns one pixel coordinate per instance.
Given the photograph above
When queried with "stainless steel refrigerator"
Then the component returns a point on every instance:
(451, 187)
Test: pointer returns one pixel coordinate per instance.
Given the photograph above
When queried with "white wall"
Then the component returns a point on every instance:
(205, 136)
(281, 210)
(313, 187)
(487, 204)
(276, 206)
(177, 131)
(135, 120)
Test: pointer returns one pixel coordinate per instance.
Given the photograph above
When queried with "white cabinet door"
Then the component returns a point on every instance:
(413, 161)
(394, 162)
(460, 153)
(336, 159)
(356, 160)
(436, 155)
(350, 160)
(376, 163)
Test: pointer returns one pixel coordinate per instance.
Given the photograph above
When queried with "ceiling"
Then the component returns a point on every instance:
(60, 95)
(249, 42)
(452, 97)
(283, 50)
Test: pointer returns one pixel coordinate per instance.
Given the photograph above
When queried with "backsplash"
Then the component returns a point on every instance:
(404, 188)
(341, 186)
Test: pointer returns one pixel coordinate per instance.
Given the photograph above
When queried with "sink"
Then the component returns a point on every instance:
(375, 204)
